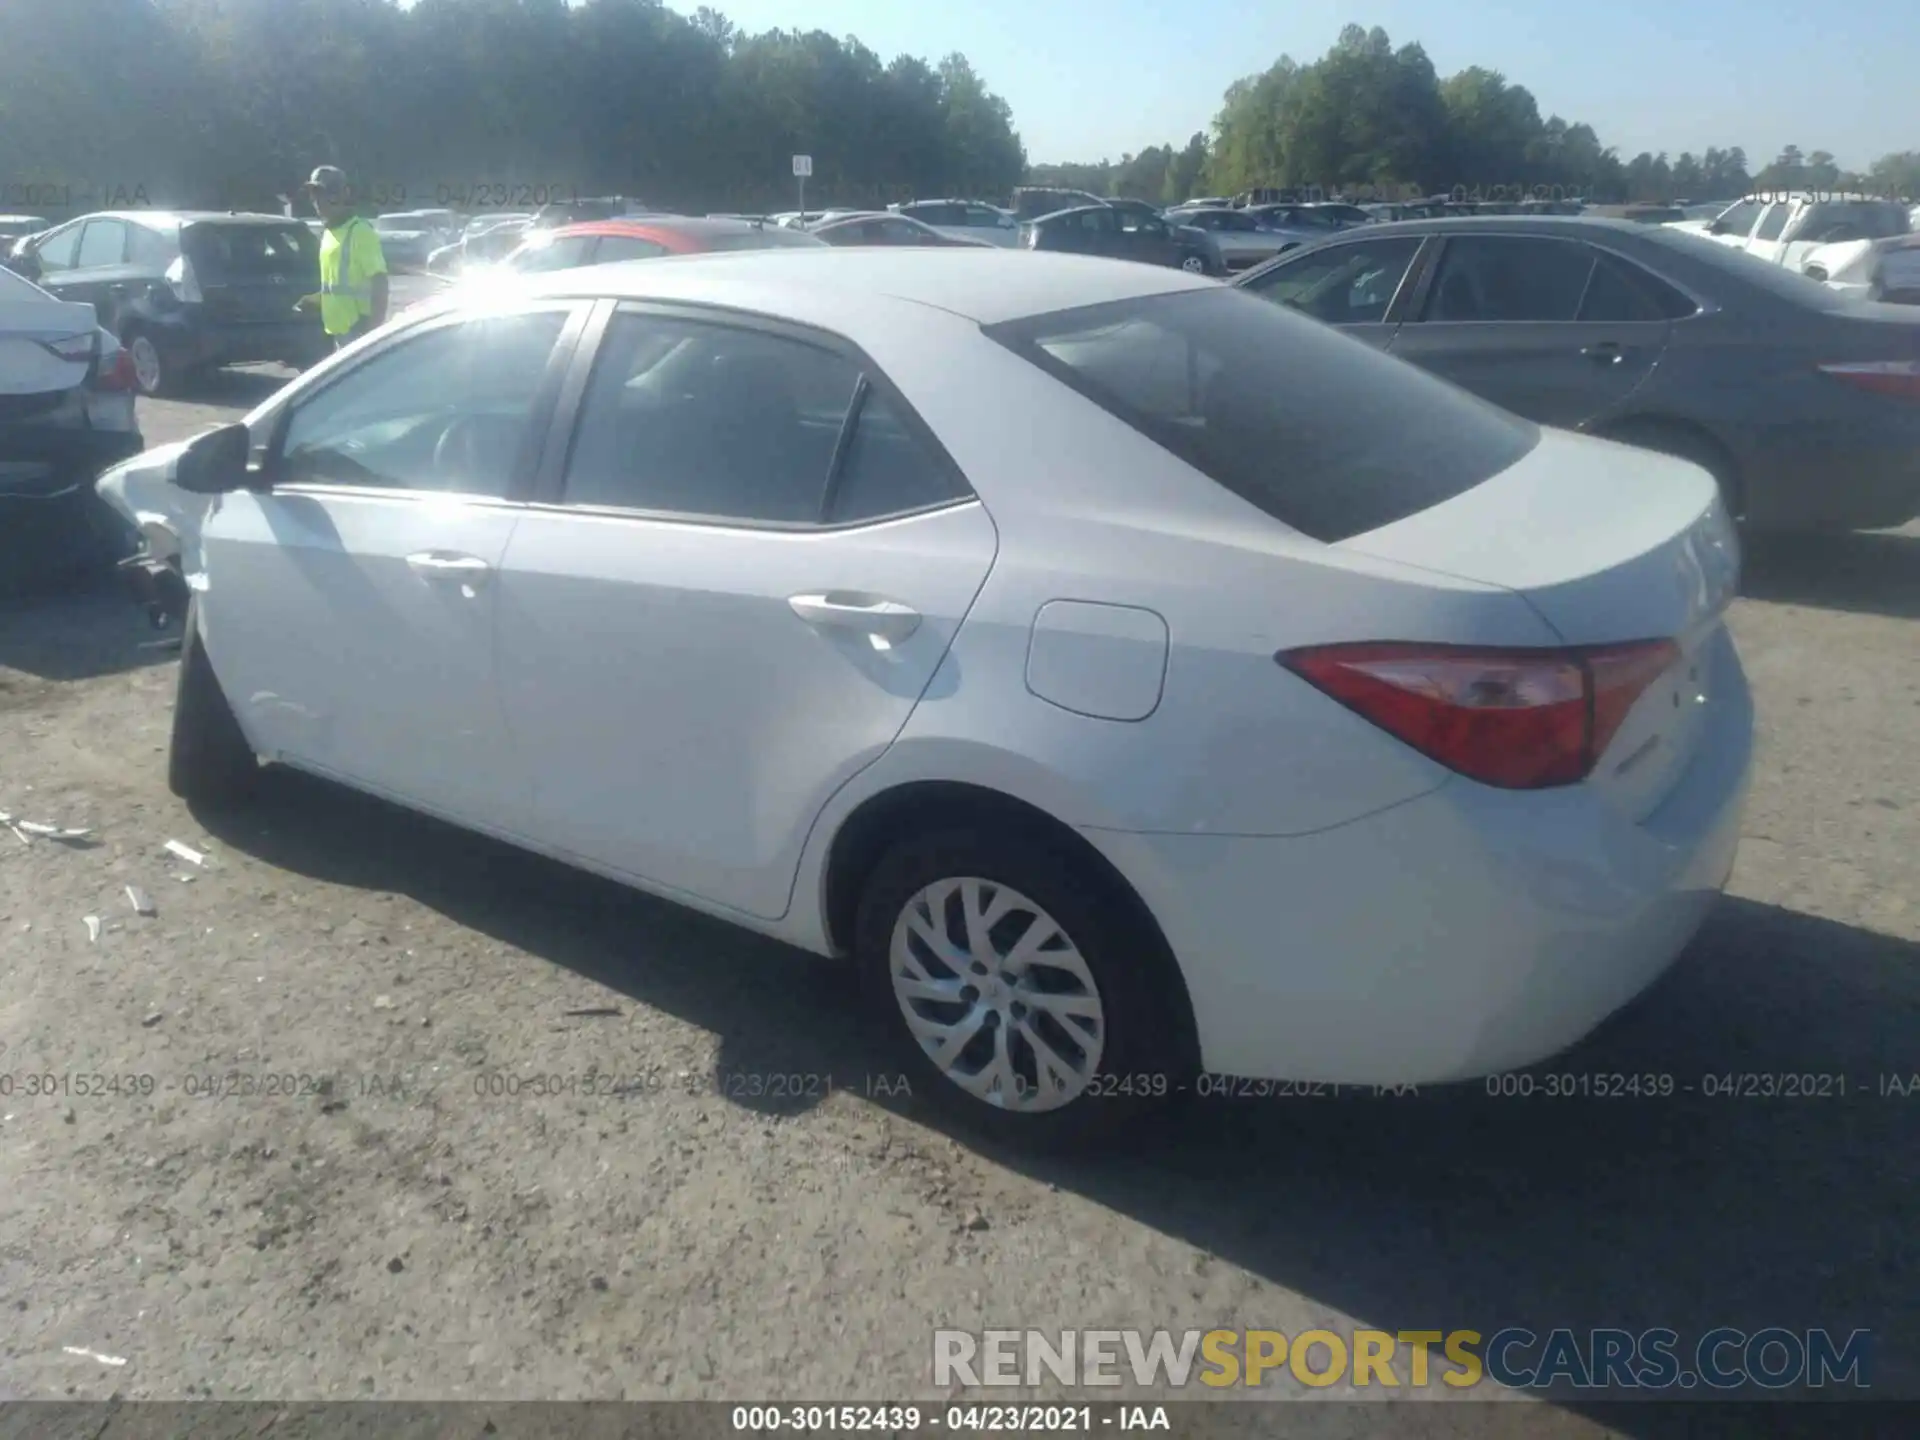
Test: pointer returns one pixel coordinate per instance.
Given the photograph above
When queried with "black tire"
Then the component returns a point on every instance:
(1686, 444)
(1138, 1070)
(209, 760)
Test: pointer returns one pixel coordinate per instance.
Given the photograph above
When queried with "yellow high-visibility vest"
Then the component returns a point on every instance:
(346, 289)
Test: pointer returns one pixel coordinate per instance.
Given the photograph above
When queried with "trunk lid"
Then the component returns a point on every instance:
(252, 272)
(30, 372)
(1608, 544)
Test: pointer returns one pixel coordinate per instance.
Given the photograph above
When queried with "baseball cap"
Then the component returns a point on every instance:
(328, 179)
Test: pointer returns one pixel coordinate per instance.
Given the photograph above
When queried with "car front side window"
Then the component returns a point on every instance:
(449, 410)
(1342, 284)
(56, 251)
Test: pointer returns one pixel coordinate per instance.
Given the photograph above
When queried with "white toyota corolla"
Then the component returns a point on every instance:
(1134, 678)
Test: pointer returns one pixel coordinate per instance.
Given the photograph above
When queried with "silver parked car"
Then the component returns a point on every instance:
(1243, 238)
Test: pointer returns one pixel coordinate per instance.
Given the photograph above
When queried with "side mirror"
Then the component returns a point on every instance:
(23, 262)
(1719, 227)
(214, 463)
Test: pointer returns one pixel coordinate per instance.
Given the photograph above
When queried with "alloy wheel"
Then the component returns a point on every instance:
(997, 995)
(146, 363)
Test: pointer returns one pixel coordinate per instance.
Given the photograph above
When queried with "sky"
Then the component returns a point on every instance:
(1092, 79)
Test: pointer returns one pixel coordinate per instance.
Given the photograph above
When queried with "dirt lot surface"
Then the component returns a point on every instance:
(280, 1159)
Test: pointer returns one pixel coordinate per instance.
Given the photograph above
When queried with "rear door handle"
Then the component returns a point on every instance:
(442, 565)
(887, 620)
(1607, 352)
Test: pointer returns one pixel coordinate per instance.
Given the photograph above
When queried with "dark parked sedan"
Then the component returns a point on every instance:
(1804, 404)
(187, 291)
(1104, 230)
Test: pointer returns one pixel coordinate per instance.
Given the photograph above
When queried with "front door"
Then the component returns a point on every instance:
(350, 612)
(1351, 285)
(1547, 328)
(754, 568)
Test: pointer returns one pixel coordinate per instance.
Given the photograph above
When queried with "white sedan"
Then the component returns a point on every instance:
(1135, 679)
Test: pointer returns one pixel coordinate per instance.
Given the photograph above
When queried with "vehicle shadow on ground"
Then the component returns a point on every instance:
(1873, 572)
(246, 387)
(80, 628)
(1716, 1204)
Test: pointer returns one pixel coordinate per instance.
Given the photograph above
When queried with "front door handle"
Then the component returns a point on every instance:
(886, 620)
(1607, 352)
(443, 565)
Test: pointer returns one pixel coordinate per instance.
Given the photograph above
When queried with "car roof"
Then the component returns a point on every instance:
(647, 227)
(828, 285)
(174, 219)
(1588, 225)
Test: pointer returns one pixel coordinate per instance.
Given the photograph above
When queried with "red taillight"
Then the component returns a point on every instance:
(115, 371)
(1518, 719)
(1884, 377)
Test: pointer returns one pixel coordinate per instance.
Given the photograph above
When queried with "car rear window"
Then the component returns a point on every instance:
(1324, 433)
(244, 252)
(771, 237)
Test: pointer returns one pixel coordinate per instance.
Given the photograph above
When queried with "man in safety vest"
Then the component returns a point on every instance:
(353, 271)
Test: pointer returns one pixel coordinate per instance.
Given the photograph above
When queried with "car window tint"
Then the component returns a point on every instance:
(562, 254)
(57, 250)
(1738, 219)
(901, 232)
(448, 410)
(1320, 431)
(1830, 223)
(1509, 278)
(252, 252)
(886, 470)
(1773, 222)
(1342, 284)
(614, 248)
(149, 248)
(104, 242)
(1096, 220)
(696, 419)
(979, 215)
(1617, 294)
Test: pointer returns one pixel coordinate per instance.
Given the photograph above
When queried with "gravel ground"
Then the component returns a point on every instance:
(751, 1215)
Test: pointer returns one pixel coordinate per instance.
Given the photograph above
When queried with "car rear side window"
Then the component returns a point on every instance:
(1324, 433)
(614, 248)
(1509, 278)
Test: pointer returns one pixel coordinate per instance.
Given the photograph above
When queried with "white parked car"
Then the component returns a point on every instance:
(1856, 244)
(1133, 677)
(66, 414)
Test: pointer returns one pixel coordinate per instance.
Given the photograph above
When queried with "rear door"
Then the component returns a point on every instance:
(751, 562)
(251, 273)
(1354, 285)
(1548, 328)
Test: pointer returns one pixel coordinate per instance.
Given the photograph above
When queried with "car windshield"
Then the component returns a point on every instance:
(1324, 433)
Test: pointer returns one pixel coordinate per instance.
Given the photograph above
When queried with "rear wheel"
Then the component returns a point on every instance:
(210, 759)
(152, 371)
(1014, 987)
(1194, 265)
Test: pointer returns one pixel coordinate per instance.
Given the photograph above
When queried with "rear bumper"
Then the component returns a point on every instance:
(1461, 934)
(1860, 477)
(38, 462)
